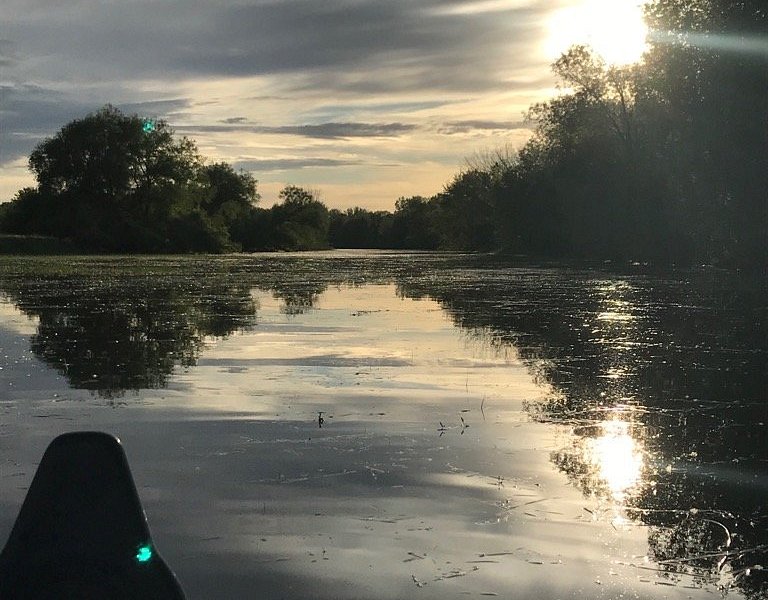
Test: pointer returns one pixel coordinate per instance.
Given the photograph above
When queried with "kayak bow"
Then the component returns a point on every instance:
(81, 531)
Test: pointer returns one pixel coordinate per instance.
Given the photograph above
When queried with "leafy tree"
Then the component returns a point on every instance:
(112, 157)
(229, 193)
(414, 224)
(110, 183)
(359, 228)
(608, 93)
(253, 230)
(301, 222)
(466, 212)
(709, 78)
(574, 187)
(230, 204)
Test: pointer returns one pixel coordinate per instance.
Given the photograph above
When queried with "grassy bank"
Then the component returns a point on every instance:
(34, 244)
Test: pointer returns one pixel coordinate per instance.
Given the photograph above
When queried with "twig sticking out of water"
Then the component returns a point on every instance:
(728, 553)
(414, 556)
(499, 481)
(464, 426)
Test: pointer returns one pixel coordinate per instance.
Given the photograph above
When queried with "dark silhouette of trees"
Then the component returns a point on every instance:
(110, 183)
(466, 213)
(301, 222)
(413, 225)
(665, 160)
(360, 228)
(230, 194)
(708, 76)
(120, 182)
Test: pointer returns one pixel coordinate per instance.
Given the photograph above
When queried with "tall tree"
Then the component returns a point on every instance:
(708, 69)
(301, 222)
(466, 208)
(229, 192)
(115, 182)
(114, 157)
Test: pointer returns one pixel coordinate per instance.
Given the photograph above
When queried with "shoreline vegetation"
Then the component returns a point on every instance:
(665, 160)
(35, 245)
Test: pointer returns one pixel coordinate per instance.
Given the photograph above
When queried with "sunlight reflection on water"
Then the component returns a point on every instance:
(617, 458)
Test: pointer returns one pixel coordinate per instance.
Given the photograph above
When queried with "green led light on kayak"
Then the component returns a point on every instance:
(143, 554)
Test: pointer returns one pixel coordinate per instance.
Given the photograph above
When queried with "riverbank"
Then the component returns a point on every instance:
(35, 245)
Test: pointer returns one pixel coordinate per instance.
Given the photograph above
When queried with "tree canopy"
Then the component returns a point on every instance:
(118, 183)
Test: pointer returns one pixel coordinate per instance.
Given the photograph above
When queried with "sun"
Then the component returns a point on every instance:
(613, 28)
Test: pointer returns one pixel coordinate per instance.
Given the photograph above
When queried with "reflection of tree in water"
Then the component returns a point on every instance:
(119, 333)
(298, 297)
(111, 324)
(662, 377)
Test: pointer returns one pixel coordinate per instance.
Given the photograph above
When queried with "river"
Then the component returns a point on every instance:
(407, 425)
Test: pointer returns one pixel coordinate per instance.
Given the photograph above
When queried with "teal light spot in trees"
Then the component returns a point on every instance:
(143, 554)
(149, 125)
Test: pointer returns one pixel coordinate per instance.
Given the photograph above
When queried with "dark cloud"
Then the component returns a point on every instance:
(7, 53)
(334, 112)
(30, 113)
(362, 44)
(345, 130)
(480, 125)
(320, 131)
(234, 120)
(163, 108)
(286, 164)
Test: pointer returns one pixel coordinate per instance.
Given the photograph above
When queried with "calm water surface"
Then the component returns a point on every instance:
(383, 425)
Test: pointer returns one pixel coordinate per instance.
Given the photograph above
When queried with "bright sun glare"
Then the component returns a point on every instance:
(613, 28)
(617, 457)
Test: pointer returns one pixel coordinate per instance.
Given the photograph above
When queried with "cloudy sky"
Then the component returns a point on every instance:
(365, 100)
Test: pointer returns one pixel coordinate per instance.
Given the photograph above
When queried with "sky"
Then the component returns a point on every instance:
(364, 101)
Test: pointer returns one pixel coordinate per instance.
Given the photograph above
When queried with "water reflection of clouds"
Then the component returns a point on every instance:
(13, 319)
(357, 345)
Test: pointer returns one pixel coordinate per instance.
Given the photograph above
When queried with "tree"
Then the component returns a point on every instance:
(611, 91)
(301, 222)
(113, 182)
(230, 203)
(358, 228)
(575, 188)
(414, 224)
(709, 76)
(466, 218)
(229, 192)
(114, 157)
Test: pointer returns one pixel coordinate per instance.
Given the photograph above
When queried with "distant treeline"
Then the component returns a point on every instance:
(665, 160)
